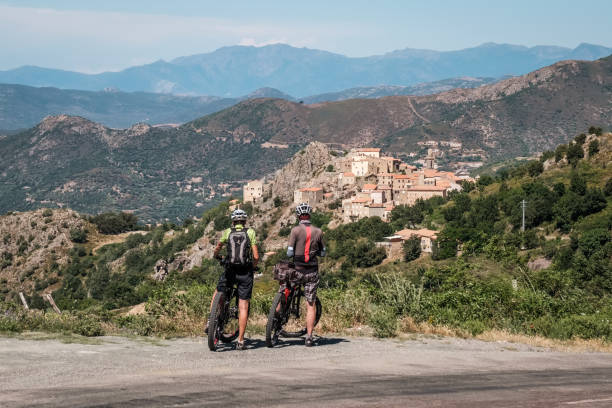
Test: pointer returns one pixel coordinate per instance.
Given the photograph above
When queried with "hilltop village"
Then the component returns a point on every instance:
(362, 183)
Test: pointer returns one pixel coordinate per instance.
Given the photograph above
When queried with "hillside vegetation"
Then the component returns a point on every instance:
(554, 279)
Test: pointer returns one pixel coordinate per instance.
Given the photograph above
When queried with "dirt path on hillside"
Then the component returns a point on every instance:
(339, 372)
(423, 118)
(102, 240)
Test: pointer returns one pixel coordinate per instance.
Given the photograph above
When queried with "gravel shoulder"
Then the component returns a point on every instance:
(343, 372)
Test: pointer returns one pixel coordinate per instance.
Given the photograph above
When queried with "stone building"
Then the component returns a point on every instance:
(410, 195)
(310, 195)
(252, 191)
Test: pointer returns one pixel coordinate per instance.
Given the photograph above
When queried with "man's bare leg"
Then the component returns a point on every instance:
(310, 317)
(243, 315)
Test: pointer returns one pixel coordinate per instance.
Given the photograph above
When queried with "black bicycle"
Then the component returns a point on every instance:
(288, 312)
(223, 319)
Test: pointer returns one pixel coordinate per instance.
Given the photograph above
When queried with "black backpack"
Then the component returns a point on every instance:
(238, 247)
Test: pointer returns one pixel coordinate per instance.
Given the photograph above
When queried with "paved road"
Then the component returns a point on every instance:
(339, 372)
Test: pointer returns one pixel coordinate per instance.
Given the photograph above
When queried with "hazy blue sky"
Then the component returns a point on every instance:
(114, 34)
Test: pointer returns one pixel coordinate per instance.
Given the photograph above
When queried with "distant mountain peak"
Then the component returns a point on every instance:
(268, 92)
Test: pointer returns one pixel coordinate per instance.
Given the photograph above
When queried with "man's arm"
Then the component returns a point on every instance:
(255, 255)
(222, 241)
(254, 250)
(217, 249)
(291, 244)
(323, 250)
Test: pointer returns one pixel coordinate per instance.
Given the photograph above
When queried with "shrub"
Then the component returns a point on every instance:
(278, 201)
(78, 235)
(384, 321)
(47, 212)
(320, 218)
(115, 223)
(284, 231)
(330, 168)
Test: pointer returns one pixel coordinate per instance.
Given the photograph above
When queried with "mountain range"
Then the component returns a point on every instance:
(24, 106)
(237, 70)
(168, 173)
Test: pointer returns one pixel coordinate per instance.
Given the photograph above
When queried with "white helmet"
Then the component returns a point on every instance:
(303, 209)
(239, 215)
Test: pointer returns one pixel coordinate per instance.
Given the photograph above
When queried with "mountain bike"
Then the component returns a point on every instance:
(223, 319)
(288, 312)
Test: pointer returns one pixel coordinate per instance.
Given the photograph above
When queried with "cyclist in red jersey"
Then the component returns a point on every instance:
(305, 244)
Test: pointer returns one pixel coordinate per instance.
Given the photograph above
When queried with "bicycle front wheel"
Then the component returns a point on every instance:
(215, 321)
(275, 324)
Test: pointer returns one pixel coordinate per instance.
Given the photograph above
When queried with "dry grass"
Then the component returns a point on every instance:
(97, 240)
(408, 325)
(573, 345)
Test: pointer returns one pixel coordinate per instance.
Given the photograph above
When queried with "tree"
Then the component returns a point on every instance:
(595, 130)
(444, 247)
(574, 153)
(412, 248)
(592, 240)
(559, 189)
(580, 139)
(608, 188)
(560, 152)
(549, 154)
(365, 254)
(278, 201)
(222, 222)
(535, 168)
(330, 168)
(593, 148)
(578, 184)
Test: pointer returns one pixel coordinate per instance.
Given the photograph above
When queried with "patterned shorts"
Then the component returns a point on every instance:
(309, 278)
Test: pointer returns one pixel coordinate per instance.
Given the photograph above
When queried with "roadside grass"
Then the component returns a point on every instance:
(448, 300)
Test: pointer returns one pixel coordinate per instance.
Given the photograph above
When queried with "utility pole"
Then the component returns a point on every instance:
(523, 205)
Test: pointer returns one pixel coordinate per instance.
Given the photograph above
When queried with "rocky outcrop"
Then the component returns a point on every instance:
(305, 166)
(184, 260)
(34, 244)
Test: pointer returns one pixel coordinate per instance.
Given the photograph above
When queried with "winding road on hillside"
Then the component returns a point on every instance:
(339, 372)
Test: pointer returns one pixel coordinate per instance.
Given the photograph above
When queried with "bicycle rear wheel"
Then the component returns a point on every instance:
(294, 326)
(223, 322)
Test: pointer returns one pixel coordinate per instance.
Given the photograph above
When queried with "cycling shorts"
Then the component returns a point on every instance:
(243, 280)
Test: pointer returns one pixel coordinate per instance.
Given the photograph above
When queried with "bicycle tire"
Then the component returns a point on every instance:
(214, 320)
(302, 332)
(274, 326)
(229, 337)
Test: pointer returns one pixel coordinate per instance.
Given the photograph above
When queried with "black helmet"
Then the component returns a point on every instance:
(303, 209)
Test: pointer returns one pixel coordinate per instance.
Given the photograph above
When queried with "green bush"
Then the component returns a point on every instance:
(78, 235)
(593, 148)
(115, 223)
(384, 321)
